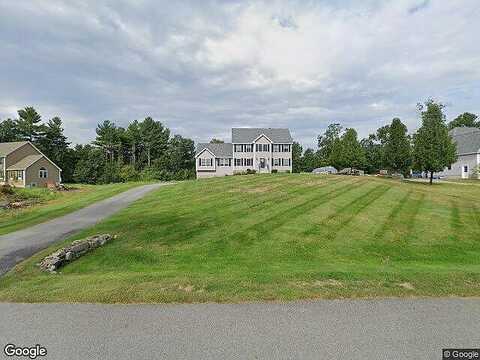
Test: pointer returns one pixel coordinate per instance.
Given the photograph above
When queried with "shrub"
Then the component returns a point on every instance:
(288, 171)
(6, 190)
(274, 171)
(128, 173)
(251, 171)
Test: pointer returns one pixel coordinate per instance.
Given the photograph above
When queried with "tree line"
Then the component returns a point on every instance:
(144, 150)
(430, 149)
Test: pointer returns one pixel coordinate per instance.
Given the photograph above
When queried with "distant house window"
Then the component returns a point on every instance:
(206, 162)
(465, 169)
(223, 162)
(262, 147)
(15, 175)
(42, 173)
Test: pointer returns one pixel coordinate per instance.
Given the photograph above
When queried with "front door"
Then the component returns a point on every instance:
(262, 164)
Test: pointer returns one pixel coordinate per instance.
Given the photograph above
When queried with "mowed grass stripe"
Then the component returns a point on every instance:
(212, 215)
(291, 213)
(345, 214)
(243, 238)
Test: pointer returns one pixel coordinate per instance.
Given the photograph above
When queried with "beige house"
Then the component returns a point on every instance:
(261, 149)
(467, 165)
(23, 165)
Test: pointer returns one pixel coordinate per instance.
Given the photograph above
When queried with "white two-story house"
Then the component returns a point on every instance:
(262, 150)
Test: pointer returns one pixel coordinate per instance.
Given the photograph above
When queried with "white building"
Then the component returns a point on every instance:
(262, 150)
(468, 150)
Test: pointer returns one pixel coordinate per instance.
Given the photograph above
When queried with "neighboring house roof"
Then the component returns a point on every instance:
(248, 135)
(467, 139)
(221, 150)
(26, 162)
(9, 147)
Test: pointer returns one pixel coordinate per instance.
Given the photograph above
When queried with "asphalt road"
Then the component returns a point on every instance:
(338, 329)
(19, 245)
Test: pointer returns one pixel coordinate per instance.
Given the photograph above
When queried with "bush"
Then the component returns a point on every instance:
(128, 173)
(288, 171)
(274, 171)
(251, 171)
(239, 173)
(6, 190)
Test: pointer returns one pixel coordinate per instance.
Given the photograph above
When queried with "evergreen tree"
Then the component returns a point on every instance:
(433, 148)
(297, 159)
(154, 139)
(108, 139)
(134, 138)
(8, 131)
(216, 141)
(29, 124)
(397, 149)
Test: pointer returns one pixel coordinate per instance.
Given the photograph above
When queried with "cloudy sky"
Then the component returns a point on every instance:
(202, 67)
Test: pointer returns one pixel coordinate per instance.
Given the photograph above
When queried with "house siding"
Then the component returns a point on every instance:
(471, 160)
(32, 174)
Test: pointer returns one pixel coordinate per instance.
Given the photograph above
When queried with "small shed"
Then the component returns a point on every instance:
(325, 170)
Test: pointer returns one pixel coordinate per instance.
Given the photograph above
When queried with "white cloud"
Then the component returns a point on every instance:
(204, 67)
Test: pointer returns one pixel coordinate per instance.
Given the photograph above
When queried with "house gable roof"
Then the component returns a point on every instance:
(248, 135)
(467, 139)
(9, 147)
(222, 150)
(26, 162)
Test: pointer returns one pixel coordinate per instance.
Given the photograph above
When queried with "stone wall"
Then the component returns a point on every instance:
(67, 254)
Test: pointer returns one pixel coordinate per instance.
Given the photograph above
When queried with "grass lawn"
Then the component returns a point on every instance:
(52, 204)
(274, 237)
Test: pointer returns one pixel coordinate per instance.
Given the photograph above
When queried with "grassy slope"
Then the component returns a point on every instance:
(54, 204)
(274, 237)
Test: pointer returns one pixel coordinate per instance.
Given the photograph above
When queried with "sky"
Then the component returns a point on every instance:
(203, 67)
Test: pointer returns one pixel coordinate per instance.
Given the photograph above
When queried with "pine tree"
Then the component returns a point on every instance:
(29, 124)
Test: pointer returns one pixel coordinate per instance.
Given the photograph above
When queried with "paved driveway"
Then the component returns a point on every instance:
(19, 245)
(339, 329)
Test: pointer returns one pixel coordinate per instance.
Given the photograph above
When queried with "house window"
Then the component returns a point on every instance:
(238, 162)
(276, 148)
(286, 162)
(276, 162)
(262, 147)
(449, 167)
(223, 162)
(15, 175)
(465, 168)
(42, 173)
(248, 162)
(205, 162)
(286, 148)
(2, 167)
(249, 148)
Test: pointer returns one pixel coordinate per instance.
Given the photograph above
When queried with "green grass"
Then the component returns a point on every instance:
(274, 237)
(51, 204)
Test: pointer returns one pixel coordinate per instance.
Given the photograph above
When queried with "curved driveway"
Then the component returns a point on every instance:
(19, 245)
